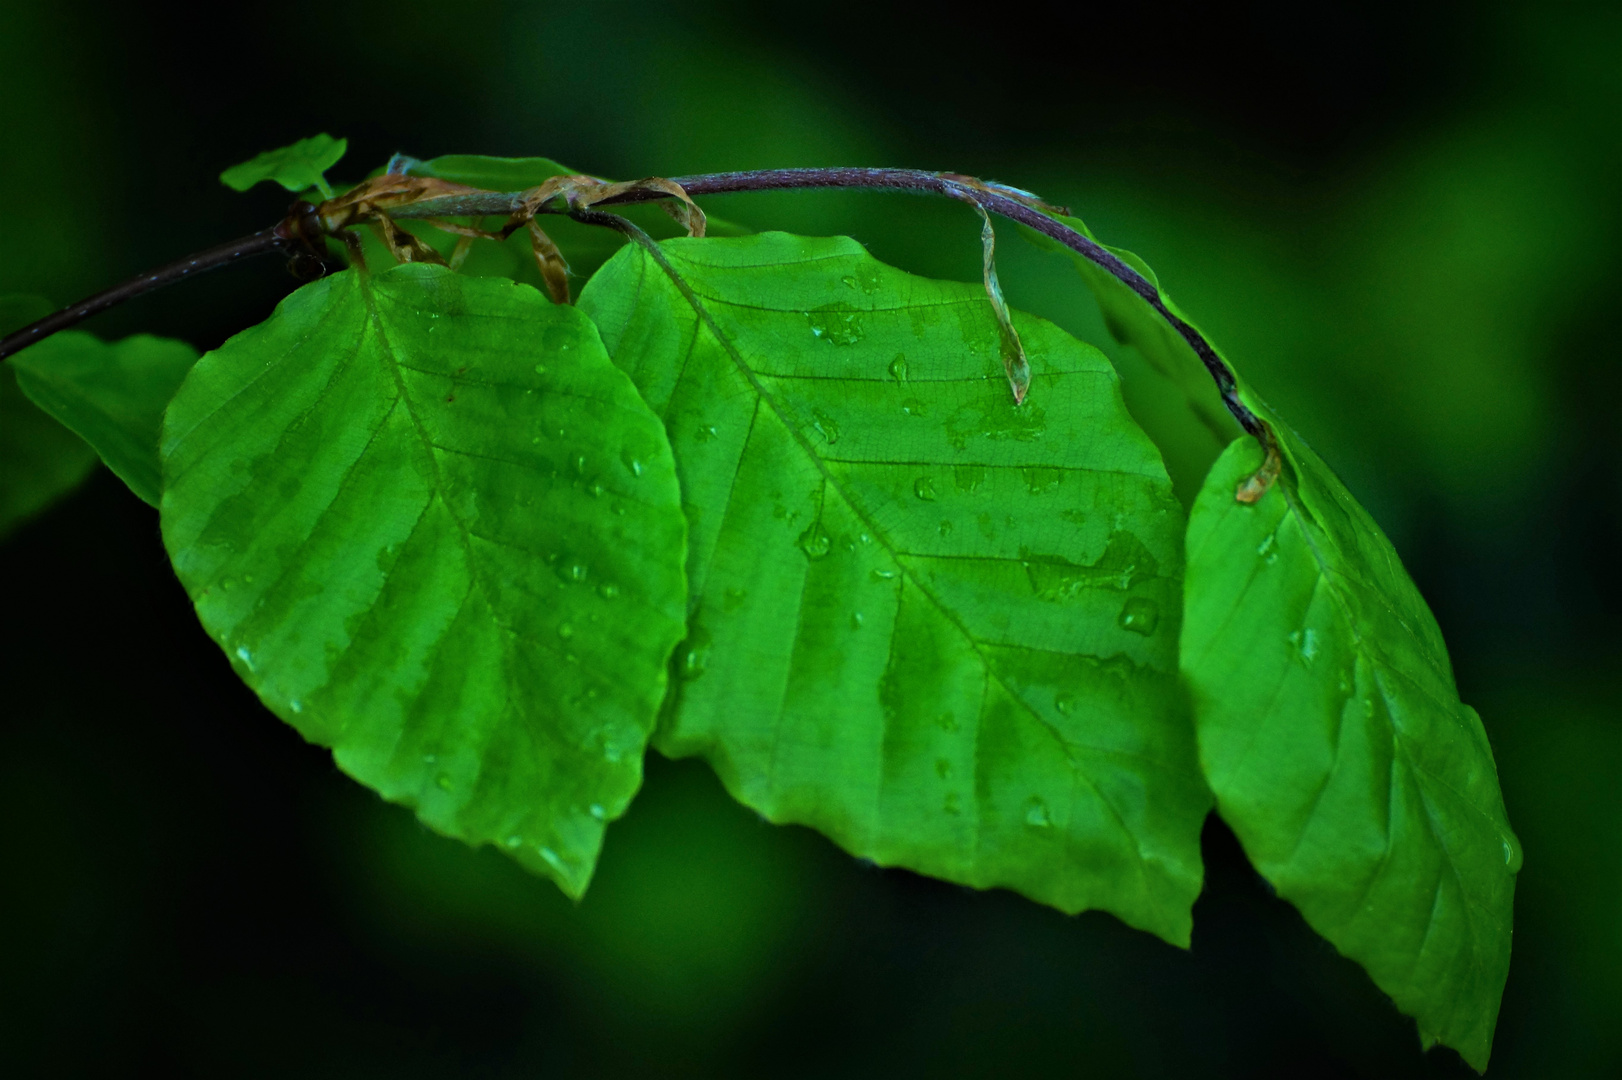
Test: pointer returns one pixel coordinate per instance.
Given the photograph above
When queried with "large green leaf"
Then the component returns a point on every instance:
(40, 460)
(436, 530)
(111, 395)
(1333, 735)
(938, 627)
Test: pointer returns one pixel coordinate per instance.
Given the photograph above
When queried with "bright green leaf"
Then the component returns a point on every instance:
(939, 628)
(297, 168)
(112, 395)
(40, 460)
(1330, 727)
(1333, 735)
(436, 530)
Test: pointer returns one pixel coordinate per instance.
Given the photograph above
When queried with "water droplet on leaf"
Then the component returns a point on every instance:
(826, 426)
(1140, 615)
(924, 488)
(695, 654)
(815, 541)
(836, 323)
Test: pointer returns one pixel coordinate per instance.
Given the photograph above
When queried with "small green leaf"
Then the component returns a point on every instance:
(937, 627)
(1332, 733)
(297, 168)
(111, 395)
(40, 460)
(436, 530)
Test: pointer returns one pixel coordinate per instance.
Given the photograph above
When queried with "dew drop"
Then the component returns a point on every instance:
(551, 859)
(826, 426)
(1306, 644)
(1036, 813)
(540, 369)
(695, 655)
(946, 722)
(945, 529)
(836, 324)
(245, 656)
(924, 488)
(596, 810)
(1140, 615)
(705, 434)
(856, 619)
(443, 781)
(1065, 703)
(884, 575)
(296, 705)
(898, 368)
(514, 841)
(815, 541)
(565, 631)
(608, 590)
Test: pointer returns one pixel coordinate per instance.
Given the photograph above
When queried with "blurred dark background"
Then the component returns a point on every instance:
(1400, 220)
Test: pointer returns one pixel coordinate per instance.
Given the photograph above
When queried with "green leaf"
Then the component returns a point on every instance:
(939, 628)
(297, 168)
(40, 460)
(1333, 735)
(111, 395)
(436, 530)
(1329, 724)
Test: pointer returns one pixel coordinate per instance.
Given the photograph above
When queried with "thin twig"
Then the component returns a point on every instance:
(1013, 205)
(907, 180)
(260, 243)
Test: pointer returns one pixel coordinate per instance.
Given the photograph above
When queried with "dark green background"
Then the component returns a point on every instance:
(1401, 221)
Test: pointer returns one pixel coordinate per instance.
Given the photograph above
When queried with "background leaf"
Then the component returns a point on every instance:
(111, 394)
(937, 627)
(297, 168)
(436, 530)
(40, 460)
(1333, 736)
